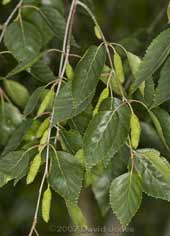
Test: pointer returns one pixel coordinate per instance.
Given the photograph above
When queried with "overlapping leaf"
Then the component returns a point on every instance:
(27, 43)
(163, 88)
(156, 54)
(14, 165)
(161, 120)
(126, 196)
(155, 172)
(17, 136)
(87, 73)
(66, 176)
(115, 168)
(106, 133)
(76, 95)
(10, 118)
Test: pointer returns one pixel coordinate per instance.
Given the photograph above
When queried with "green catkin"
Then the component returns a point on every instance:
(43, 140)
(69, 72)
(103, 96)
(44, 125)
(46, 204)
(34, 168)
(97, 32)
(119, 68)
(17, 92)
(135, 131)
(49, 96)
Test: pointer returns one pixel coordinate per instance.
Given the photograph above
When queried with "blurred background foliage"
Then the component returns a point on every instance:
(133, 23)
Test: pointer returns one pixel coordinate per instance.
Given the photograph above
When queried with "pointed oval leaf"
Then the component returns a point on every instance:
(33, 100)
(155, 172)
(163, 88)
(87, 73)
(64, 106)
(14, 164)
(10, 118)
(66, 176)
(159, 49)
(27, 43)
(17, 136)
(106, 133)
(126, 197)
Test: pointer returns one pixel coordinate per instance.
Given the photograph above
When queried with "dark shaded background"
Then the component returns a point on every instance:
(133, 23)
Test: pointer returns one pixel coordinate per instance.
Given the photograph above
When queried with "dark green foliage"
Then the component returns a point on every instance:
(85, 127)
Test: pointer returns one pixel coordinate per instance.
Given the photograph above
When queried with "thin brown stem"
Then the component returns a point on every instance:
(66, 49)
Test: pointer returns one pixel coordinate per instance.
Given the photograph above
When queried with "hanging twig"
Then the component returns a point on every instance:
(66, 49)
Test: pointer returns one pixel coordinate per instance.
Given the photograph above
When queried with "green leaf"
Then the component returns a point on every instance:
(66, 176)
(38, 21)
(34, 100)
(17, 92)
(25, 65)
(10, 118)
(149, 92)
(27, 43)
(4, 179)
(76, 216)
(163, 88)
(59, 5)
(126, 196)
(101, 186)
(155, 172)
(55, 21)
(71, 140)
(14, 164)
(76, 95)
(163, 121)
(87, 74)
(105, 135)
(17, 136)
(108, 104)
(41, 72)
(64, 106)
(149, 138)
(134, 62)
(81, 121)
(159, 49)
